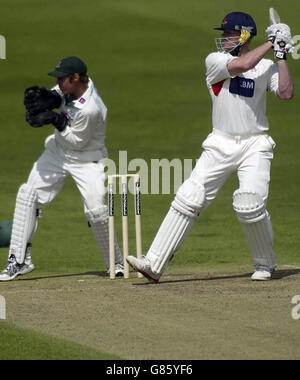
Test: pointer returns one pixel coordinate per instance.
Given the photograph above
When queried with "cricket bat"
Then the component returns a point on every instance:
(275, 19)
(274, 16)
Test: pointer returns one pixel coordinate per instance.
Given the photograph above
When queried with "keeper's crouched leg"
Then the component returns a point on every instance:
(24, 222)
(98, 221)
(176, 226)
(255, 220)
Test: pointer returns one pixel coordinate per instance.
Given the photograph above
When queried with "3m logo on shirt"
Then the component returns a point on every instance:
(242, 86)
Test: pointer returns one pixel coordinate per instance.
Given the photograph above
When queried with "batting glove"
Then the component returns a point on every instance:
(280, 36)
(273, 29)
(282, 45)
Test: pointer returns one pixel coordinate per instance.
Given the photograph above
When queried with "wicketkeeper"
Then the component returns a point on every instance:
(238, 80)
(76, 148)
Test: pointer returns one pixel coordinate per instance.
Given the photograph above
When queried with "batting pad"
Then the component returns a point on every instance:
(24, 222)
(256, 224)
(98, 220)
(189, 199)
(170, 236)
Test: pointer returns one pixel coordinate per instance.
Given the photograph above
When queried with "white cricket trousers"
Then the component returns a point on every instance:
(223, 155)
(50, 171)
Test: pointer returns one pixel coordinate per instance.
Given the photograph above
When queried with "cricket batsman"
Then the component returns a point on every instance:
(76, 148)
(238, 80)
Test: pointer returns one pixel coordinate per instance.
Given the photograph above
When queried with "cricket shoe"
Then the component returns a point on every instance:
(143, 266)
(28, 264)
(262, 274)
(119, 270)
(13, 269)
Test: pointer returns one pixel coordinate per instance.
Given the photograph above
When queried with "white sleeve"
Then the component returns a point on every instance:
(58, 90)
(79, 131)
(273, 81)
(216, 67)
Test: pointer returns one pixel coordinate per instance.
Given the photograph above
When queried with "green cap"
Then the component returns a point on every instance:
(67, 66)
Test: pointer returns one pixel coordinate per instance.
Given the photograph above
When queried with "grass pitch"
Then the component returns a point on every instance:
(147, 61)
(26, 344)
(194, 313)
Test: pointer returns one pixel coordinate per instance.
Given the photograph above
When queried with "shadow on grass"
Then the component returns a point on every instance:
(282, 273)
(278, 275)
(98, 274)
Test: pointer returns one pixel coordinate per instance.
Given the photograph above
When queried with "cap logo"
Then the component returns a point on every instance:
(224, 21)
(58, 65)
(82, 100)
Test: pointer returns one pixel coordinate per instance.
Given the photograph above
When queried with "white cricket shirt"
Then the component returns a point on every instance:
(239, 103)
(84, 137)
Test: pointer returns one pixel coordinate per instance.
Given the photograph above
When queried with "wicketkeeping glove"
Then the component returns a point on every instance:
(39, 99)
(47, 117)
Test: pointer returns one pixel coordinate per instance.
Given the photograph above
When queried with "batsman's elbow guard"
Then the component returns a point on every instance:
(190, 198)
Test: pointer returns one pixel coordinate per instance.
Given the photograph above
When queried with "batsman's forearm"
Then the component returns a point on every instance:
(249, 60)
(286, 87)
(253, 57)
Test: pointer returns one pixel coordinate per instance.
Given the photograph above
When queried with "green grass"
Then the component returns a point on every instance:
(23, 344)
(147, 61)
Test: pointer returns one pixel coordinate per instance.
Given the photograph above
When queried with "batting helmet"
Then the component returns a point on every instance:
(238, 21)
